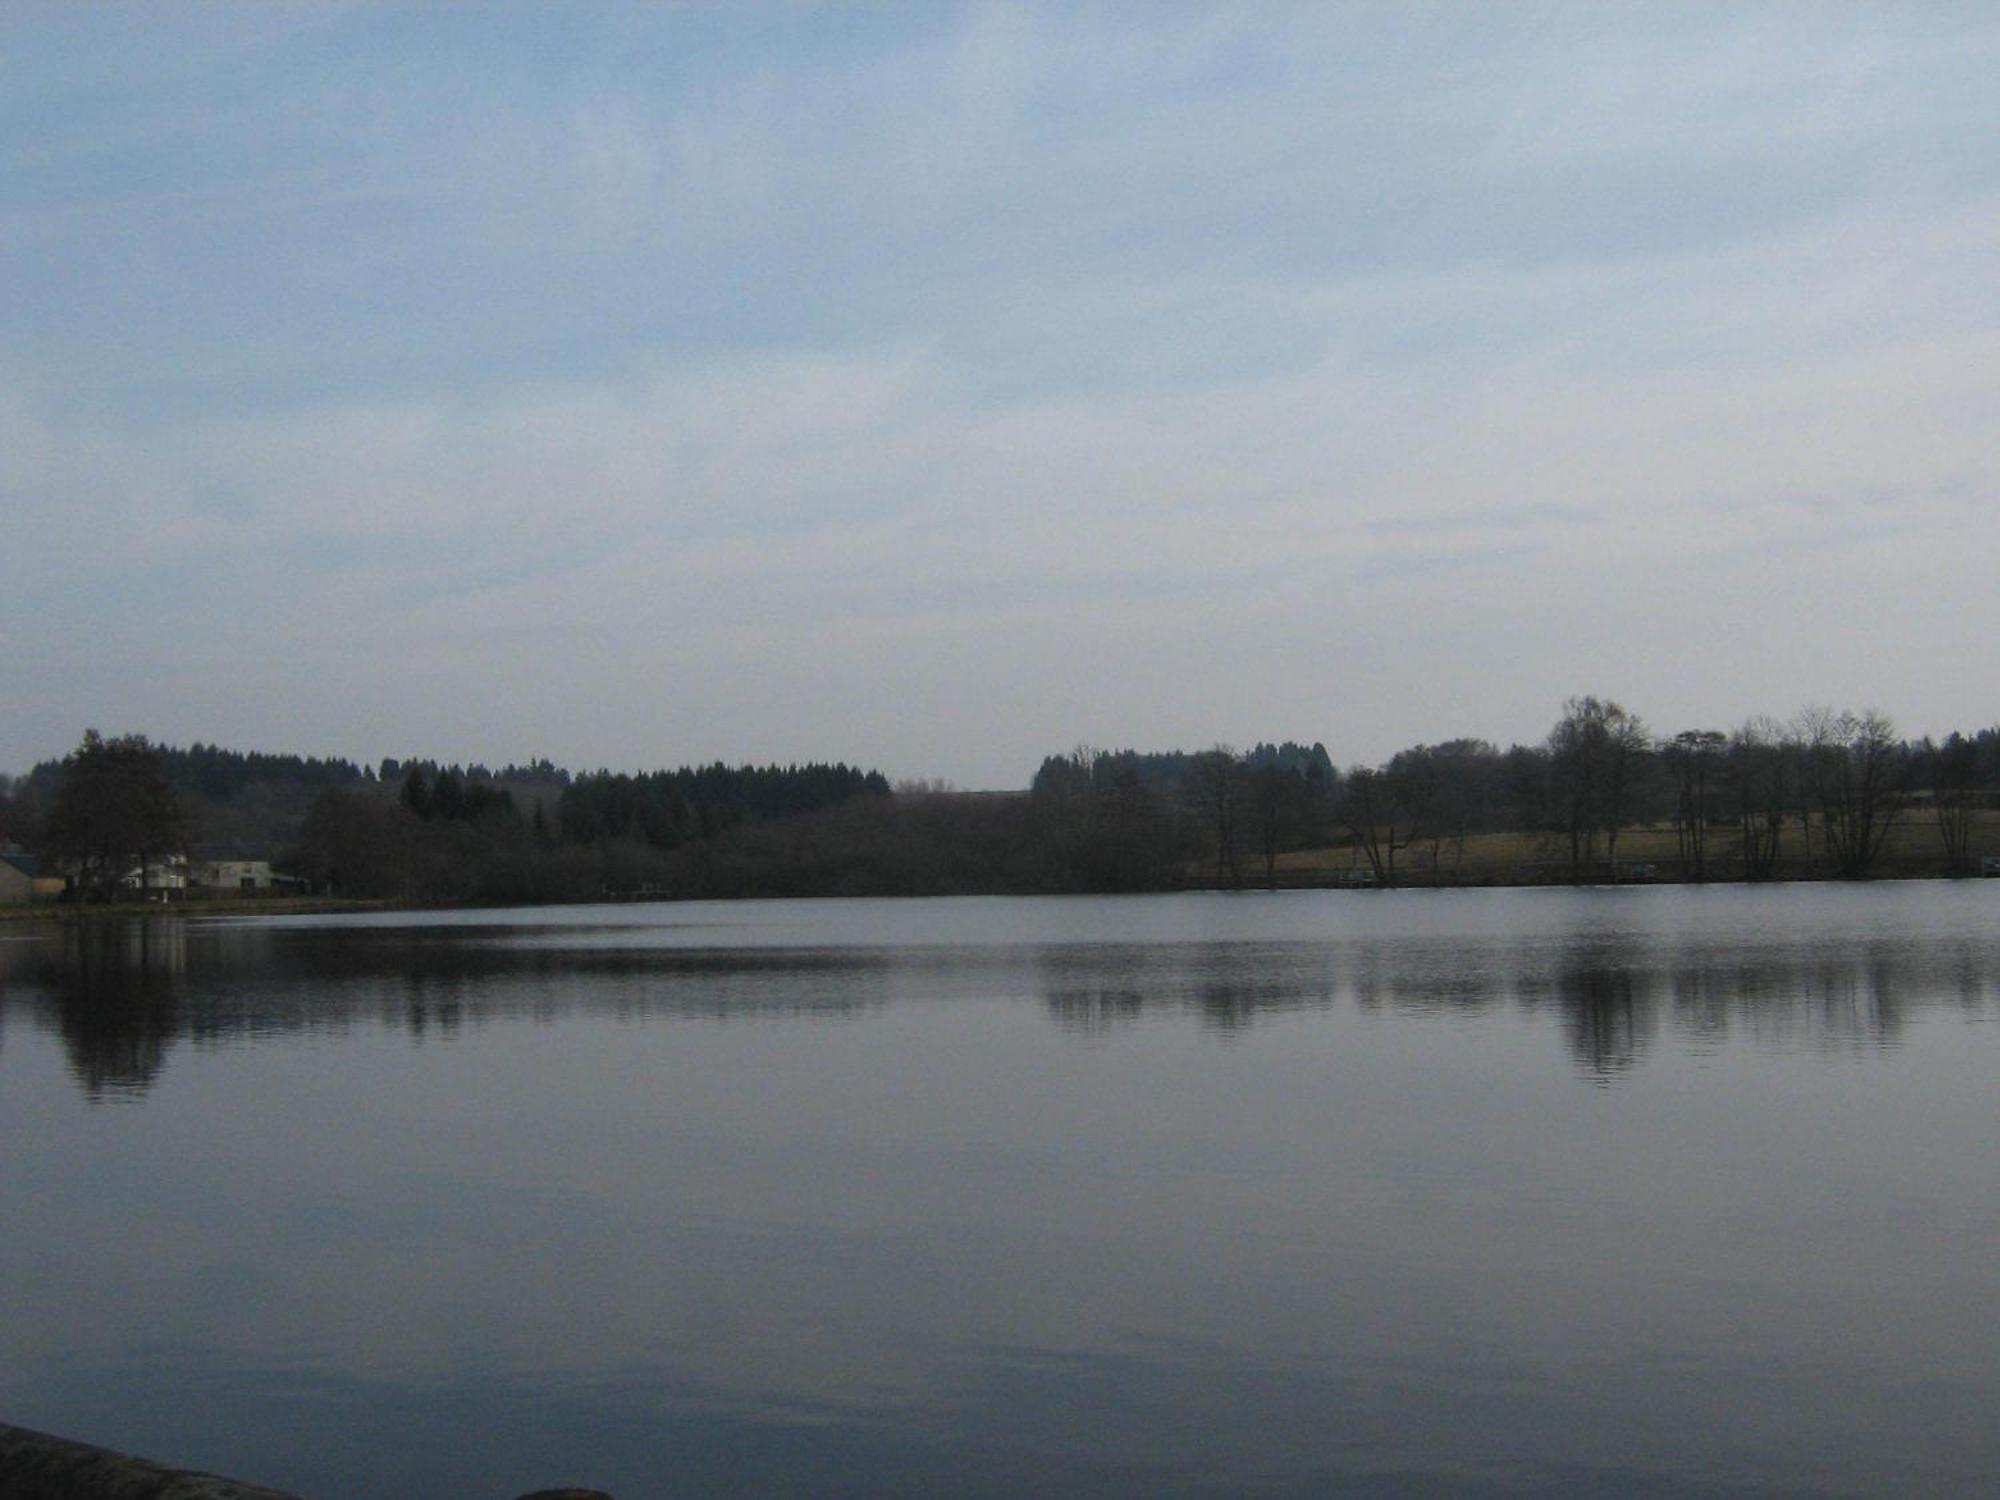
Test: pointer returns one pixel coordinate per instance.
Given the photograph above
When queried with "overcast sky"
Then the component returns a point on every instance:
(935, 387)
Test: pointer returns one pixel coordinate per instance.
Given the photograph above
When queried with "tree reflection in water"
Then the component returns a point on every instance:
(119, 993)
(1089, 991)
(1614, 994)
(1609, 1010)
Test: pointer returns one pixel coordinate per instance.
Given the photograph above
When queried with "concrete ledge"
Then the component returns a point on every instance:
(40, 1466)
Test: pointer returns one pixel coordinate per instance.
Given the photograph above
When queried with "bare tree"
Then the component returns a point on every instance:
(1278, 810)
(1098, 825)
(1694, 757)
(1628, 760)
(1440, 787)
(1761, 760)
(1598, 754)
(1468, 784)
(1852, 774)
(1215, 790)
(1371, 808)
(1416, 786)
(1954, 781)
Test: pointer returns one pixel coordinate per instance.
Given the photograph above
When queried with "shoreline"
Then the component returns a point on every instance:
(64, 914)
(279, 906)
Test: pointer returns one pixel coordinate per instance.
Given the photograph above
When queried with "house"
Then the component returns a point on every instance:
(22, 879)
(17, 879)
(236, 870)
(161, 877)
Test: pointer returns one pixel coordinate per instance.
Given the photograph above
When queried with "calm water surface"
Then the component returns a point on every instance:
(1619, 1193)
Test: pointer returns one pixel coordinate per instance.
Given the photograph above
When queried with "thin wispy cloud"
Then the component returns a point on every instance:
(637, 385)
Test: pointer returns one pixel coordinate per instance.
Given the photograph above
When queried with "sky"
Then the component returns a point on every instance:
(936, 387)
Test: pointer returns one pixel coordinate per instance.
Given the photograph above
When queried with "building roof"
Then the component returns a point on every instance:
(230, 853)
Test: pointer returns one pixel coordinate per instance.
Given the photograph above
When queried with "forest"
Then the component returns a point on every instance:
(1601, 798)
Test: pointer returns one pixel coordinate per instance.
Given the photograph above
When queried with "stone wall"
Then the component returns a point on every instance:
(38, 1466)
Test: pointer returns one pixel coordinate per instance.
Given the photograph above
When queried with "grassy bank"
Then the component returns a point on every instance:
(1914, 850)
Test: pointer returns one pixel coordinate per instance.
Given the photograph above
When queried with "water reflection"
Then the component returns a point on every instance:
(116, 994)
(1367, 1195)
(1087, 1005)
(1227, 987)
(1614, 995)
(121, 994)
(1608, 1008)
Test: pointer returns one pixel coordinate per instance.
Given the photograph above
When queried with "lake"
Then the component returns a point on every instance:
(1645, 1192)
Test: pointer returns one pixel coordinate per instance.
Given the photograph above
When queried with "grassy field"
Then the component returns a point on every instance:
(1914, 849)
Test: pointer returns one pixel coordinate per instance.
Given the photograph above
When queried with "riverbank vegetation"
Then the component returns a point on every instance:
(1601, 798)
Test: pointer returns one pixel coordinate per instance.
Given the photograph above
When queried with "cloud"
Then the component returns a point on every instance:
(937, 391)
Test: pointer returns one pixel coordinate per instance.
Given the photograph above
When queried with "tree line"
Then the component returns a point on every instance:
(1821, 794)
(412, 830)
(446, 836)
(1825, 793)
